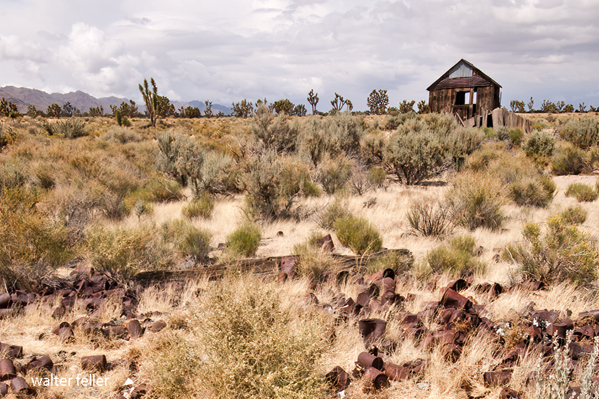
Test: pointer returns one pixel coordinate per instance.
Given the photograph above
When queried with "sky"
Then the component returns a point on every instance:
(229, 50)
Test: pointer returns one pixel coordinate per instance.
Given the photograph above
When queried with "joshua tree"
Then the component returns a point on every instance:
(151, 99)
(405, 107)
(285, 106)
(338, 102)
(208, 111)
(378, 101)
(530, 105)
(423, 107)
(54, 111)
(313, 100)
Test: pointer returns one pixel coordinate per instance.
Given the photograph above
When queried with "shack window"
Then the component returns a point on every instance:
(474, 97)
(460, 98)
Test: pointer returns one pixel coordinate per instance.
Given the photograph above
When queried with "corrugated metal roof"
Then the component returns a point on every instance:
(472, 81)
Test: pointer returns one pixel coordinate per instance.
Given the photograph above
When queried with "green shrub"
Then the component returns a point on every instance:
(398, 261)
(157, 189)
(358, 234)
(127, 251)
(33, 246)
(245, 240)
(187, 239)
(582, 192)
(457, 258)
(7, 135)
(515, 136)
(481, 159)
(71, 128)
(539, 145)
(568, 160)
(334, 211)
(476, 201)
(430, 218)
(201, 206)
(461, 143)
(574, 215)
(334, 174)
(275, 132)
(415, 156)
(273, 184)
(564, 253)
(533, 192)
(582, 132)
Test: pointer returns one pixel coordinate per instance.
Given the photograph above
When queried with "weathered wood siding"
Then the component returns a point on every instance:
(444, 100)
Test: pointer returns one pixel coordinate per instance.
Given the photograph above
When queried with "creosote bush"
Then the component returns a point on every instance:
(201, 206)
(430, 218)
(568, 160)
(244, 241)
(123, 252)
(533, 192)
(574, 215)
(334, 211)
(582, 192)
(563, 253)
(476, 201)
(358, 234)
(187, 239)
(457, 258)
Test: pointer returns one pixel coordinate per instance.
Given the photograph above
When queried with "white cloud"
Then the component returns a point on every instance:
(234, 49)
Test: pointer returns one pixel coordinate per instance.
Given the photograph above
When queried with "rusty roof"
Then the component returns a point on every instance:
(472, 81)
(458, 82)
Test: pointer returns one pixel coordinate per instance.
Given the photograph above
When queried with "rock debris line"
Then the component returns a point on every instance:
(85, 290)
(456, 318)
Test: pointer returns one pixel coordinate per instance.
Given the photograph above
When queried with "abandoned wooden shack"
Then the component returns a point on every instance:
(472, 97)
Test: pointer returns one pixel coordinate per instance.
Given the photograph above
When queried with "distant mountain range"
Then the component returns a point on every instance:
(23, 97)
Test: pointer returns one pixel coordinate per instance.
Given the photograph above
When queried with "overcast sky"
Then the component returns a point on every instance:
(228, 50)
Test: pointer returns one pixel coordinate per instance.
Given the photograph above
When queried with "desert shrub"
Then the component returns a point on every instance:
(313, 262)
(481, 159)
(13, 173)
(415, 156)
(186, 238)
(334, 174)
(462, 142)
(275, 132)
(533, 192)
(175, 152)
(358, 181)
(244, 241)
(121, 135)
(320, 137)
(212, 175)
(476, 201)
(563, 253)
(430, 218)
(373, 148)
(43, 178)
(398, 261)
(7, 135)
(582, 132)
(71, 128)
(257, 345)
(442, 125)
(201, 206)
(273, 184)
(393, 121)
(582, 192)
(457, 258)
(568, 160)
(334, 211)
(32, 246)
(539, 144)
(124, 252)
(377, 176)
(574, 215)
(358, 234)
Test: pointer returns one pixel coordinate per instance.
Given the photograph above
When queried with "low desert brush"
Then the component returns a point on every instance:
(187, 239)
(457, 258)
(430, 218)
(476, 201)
(244, 241)
(563, 253)
(358, 234)
(201, 206)
(574, 215)
(582, 192)
(334, 211)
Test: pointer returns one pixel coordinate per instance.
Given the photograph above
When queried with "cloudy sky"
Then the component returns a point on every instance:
(228, 50)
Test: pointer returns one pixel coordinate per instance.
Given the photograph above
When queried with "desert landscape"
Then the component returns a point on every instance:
(345, 254)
